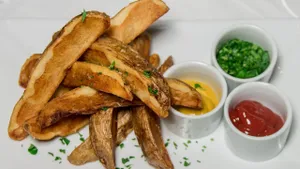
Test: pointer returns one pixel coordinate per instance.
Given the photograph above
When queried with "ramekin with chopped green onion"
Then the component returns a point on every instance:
(244, 53)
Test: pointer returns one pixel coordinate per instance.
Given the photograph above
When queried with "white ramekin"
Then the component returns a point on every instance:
(252, 34)
(196, 126)
(257, 148)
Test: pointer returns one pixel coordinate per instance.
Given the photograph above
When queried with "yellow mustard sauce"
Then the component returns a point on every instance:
(209, 98)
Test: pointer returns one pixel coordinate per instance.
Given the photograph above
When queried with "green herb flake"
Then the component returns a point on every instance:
(175, 145)
(212, 139)
(122, 145)
(185, 145)
(51, 154)
(136, 146)
(83, 15)
(64, 141)
(202, 150)
(128, 166)
(168, 139)
(186, 164)
(185, 158)
(189, 142)
(62, 151)
(147, 73)
(204, 146)
(133, 139)
(82, 139)
(152, 91)
(198, 161)
(32, 149)
(125, 160)
(197, 85)
(99, 73)
(112, 65)
(57, 158)
(180, 162)
(166, 144)
(104, 108)
(131, 157)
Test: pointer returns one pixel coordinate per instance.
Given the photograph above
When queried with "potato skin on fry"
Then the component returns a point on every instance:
(142, 45)
(83, 100)
(128, 60)
(184, 95)
(75, 37)
(84, 153)
(166, 65)
(98, 77)
(103, 130)
(146, 125)
(154, 60)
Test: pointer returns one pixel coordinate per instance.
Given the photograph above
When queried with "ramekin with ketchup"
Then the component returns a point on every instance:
(257, 121)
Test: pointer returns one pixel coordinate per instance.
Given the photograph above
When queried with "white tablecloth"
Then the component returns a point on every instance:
(180, 9)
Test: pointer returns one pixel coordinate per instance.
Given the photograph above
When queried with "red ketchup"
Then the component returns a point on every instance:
(252, 118)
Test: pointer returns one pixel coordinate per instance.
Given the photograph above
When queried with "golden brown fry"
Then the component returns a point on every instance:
(98, 77)
(154, 60)
(84, 153)
(147, 129)
(83, 100)
(96, 57)
(142, 44)
(184, 95)
(55, 35)
(103, 131)
(60, 91)
(27, 69)
(75, 37)
(166, 65)
(63, 128)
(153, 91)
(134, 19)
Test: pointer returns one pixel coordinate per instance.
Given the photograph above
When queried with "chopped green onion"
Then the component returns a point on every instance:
(32, 149)
(64, 141)
(62, 151)
(122, 145)
(83, 15)
(147, 73)
(152, 91)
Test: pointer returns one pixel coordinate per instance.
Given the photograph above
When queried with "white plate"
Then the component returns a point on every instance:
(185, 41)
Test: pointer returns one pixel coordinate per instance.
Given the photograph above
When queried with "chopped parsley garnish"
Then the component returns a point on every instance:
(186, 164)
(136, 146)
(189, 142)
(166, 144)
(147, 73)
(185, 158)
(175, 145)
(204, 146)
(198, 161)
(212, 139)
(104, 108)
(82, 139)
(185, 145)
(64, 141)
(99, 73)
(168, 139)
(62, 151)
(197, 85)
(125, 160)
(152, 91)
(83, 15)
(112, 65)
(57, 158)
(202, 150)
(32, 149)
(122, 145)
(50, 153)
(133, 139)
(131, 157)
(128, 166)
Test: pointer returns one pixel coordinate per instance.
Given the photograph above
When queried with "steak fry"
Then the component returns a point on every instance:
(84, 153)
(64, 127)
(103, 130)
(146, 126)
(76, 36)
(98, 77)
(152, 90)
(27, 68)
(134, 19)
(83, 100)
(142, 44)
(184, 95)
(166, 65)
